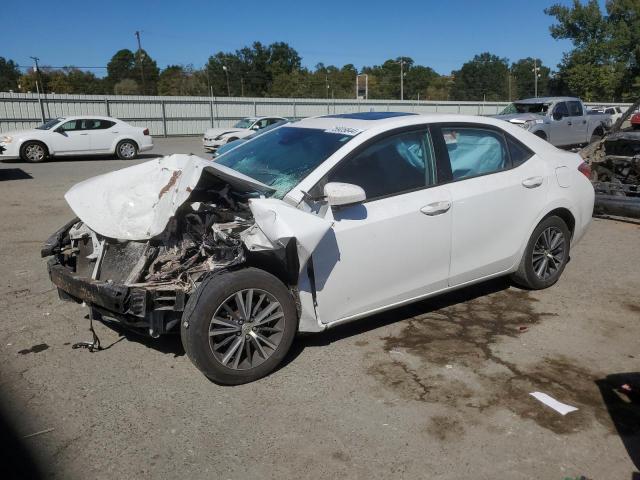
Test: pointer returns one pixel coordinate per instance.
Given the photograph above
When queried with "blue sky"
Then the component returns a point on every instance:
(441, 34)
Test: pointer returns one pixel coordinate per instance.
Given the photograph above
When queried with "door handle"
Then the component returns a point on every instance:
(532, 182)
(584, 121)
(569, 123)
(84, 134)
(436, 208)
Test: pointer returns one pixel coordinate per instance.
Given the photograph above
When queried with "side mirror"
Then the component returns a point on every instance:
(338, 194)
(255, 127)
(558, 116)
(59, 130)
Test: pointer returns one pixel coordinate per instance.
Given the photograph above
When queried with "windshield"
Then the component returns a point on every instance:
(245, 123)
(283, 157)
(49, 123)
(540, 108)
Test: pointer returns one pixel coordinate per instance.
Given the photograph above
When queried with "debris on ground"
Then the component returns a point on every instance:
(561, 408)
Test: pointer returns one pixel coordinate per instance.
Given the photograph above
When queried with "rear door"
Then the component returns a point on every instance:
(498, 188)
(578, 123)
(101, 133)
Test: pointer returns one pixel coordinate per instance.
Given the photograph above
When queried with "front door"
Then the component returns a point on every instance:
(393, 247)
(70, 137)
(560, 128)
(498, 189)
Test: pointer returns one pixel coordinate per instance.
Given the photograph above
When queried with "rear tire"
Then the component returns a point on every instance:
(238, 326)
(127, 150)
(546, 255)
(34, 152)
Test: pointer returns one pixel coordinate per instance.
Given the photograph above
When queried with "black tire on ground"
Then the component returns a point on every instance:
(208, 352)
(127, 150)
(34, 152)
(541, 134)
(542, 241)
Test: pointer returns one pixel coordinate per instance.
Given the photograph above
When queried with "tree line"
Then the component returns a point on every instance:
(602, 65)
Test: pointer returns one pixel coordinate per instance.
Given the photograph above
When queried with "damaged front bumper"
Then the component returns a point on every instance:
(158, 310)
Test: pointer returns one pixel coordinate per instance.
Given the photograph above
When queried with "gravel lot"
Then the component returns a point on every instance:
(439, 389)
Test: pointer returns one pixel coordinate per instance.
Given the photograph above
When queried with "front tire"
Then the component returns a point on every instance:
(127, 150)
(239, 325)
(546, 255)
(34, 152)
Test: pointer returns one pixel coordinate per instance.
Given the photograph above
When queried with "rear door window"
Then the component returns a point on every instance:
(575, 109)
(475, 151)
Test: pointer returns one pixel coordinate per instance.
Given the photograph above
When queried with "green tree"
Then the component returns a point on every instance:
(120, 66)
(9, 75)
(126, 86)
(604, 64)
(523, 79)
(179, 80)
(485, 77)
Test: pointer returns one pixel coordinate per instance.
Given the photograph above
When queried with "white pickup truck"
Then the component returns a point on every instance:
(562, 121)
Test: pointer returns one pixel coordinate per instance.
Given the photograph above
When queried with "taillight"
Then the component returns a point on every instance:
(585, 169)
(145, 131)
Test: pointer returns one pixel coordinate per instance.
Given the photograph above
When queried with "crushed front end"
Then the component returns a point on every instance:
(146, 284)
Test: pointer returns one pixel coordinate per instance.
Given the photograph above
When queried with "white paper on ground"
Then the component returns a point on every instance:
(561, 408)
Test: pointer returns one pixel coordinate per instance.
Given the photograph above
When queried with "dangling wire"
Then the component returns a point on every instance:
(95, 344)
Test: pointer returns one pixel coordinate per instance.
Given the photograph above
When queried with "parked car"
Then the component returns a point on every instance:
(314, 224)
(215, 137)
(76, 135)
(635, 121)
(233, 144)
(614, 112)
(562, 121)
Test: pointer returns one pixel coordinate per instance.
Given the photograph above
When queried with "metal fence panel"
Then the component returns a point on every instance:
(193, 115)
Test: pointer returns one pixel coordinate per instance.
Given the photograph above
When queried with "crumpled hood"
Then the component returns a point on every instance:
(136, 203)
(519, 117)
(216, 132)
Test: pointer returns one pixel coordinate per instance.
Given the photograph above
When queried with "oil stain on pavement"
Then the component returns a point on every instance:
(443, 354)
(35, 349)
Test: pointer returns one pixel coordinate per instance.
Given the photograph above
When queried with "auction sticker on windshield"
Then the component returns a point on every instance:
(344, 131)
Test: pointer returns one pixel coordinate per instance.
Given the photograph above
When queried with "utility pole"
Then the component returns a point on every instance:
(140, 59)
(39, 79)
(401, 78)
(326, 81)
(536, 75)
(241, 86)
(226, 72)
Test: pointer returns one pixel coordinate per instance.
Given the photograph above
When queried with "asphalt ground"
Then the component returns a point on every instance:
(439, 389)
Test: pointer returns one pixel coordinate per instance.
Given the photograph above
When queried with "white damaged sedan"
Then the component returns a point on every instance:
(314, 224)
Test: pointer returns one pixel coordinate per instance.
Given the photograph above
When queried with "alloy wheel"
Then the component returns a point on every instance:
(127, 150)
(548, 253)
(246, 329)
(34, 152)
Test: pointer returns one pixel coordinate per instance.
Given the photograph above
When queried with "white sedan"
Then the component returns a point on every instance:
(77, 135)
(317, 223)
(216, 137)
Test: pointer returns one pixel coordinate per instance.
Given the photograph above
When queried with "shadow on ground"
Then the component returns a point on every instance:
(14, 174)
(17, 456)
(621, 395)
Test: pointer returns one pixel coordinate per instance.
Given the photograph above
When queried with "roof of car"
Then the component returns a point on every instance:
(547, 99)
(370, 115)
(352, 125)
(81, 117)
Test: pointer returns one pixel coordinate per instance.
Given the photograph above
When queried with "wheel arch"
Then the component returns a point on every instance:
(566, 216)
